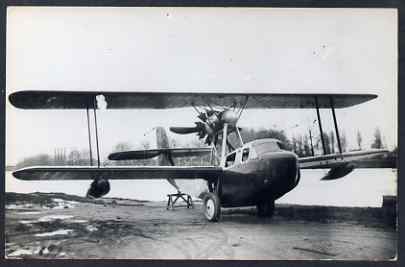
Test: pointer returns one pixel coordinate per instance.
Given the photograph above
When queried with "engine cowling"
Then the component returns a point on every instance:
(98, 188)
(230, 117)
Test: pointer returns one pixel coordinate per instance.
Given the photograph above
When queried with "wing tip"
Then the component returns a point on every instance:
(19, 174)
(371, 96)
(13, 98)
(112, 156)
(19, 98)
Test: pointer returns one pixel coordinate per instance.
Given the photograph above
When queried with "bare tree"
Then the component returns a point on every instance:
(122, 146)
(359, 139)
(307, 146)
(343, 141)
(173, 142)
(377, 139)
(327, 143)
(41, 159)
(332, 141)
(145, 144)
(74, 157)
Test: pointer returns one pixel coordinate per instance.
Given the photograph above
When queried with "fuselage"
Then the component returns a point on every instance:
(258, 171)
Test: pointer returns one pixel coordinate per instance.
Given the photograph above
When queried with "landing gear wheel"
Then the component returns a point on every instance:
(265, 208)
(212, 207)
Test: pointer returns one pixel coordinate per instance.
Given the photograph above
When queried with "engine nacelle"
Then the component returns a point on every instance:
(339, 171)
(98, 188)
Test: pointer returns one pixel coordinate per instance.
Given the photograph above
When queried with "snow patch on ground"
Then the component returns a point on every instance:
(50, 218)
(29, 212)
(19, 207)
(91, 228)
(57, 232)
(21, 252)
(56, 203)
(28, 221)
(63, 204)
(78, 221)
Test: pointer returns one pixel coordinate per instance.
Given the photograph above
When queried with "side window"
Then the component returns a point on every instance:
(245, 154)
(230, 160)
(253, 153)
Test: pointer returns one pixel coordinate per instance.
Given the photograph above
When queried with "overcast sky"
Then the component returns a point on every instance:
(197, 49)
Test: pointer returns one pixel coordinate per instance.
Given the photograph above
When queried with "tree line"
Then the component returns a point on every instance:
(303, 145)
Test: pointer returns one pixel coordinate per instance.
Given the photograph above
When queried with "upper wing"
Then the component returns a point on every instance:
(116, 172)
(163, 100)
(334, 160)
(150, 153)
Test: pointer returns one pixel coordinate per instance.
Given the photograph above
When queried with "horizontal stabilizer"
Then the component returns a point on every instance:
(150, 153)
(117, 172)
(184, 130)
(165, 100)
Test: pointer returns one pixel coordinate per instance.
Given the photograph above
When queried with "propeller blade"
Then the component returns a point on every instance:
(208, 140)
(184, 130)
(201, 134)
(202, 116)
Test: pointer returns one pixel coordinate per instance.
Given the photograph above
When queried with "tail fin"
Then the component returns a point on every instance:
(165, 159)
(162, 141)
(161, 138)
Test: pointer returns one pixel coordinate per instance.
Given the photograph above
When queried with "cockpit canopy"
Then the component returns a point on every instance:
(262, 146)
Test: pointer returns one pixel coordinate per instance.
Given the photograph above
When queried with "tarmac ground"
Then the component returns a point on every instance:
(45, 225)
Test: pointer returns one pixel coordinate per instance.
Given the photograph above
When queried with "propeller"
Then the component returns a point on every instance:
(211, 124)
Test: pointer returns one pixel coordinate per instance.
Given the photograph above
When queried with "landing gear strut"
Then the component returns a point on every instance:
(265, 208)
(212, 202)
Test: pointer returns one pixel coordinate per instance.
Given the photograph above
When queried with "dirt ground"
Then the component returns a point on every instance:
(62, 226)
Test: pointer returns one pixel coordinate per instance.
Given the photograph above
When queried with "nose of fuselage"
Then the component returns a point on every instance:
(282, 169)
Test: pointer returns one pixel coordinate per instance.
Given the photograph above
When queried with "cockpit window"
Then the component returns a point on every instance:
(265, 147)
(230, 159)
(245, 154)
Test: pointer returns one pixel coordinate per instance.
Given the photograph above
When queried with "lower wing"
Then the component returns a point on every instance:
(332, 160)
(339, 164)
(117, 172)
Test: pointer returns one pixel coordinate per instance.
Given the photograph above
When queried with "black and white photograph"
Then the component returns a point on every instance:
(201, 133)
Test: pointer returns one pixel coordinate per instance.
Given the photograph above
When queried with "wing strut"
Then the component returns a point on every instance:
(240, 136)
(224, 139)
(95, 124)
(89, 134)
(312, 145)
(332, 106)
(320, 125)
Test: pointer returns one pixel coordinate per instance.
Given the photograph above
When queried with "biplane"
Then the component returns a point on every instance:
(253, 173)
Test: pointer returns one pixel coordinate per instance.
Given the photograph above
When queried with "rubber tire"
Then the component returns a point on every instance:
(217, 207)
(265, 209)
